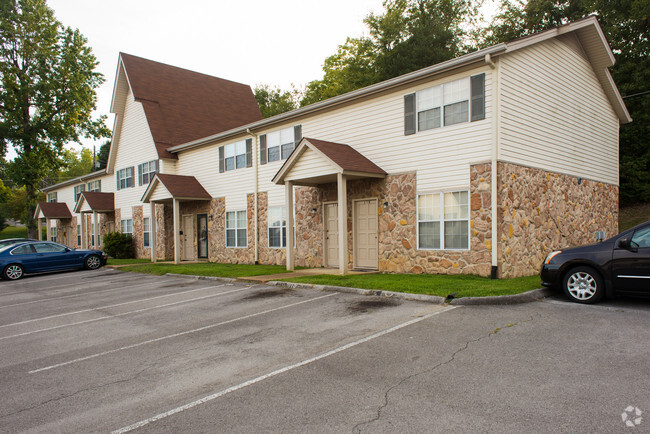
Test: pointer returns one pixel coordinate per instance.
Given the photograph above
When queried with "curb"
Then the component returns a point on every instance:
(525, 297)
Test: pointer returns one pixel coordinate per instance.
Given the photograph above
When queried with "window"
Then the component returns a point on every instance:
(126, 226)
(277, 226)
(146, 171)
(450, 103)
(92, 234)
(235, 155)
(236, 229)
(49, 248)
(79, 235)
(125, 178)
(78, 190)
(95, 185)
(146, 232)
(53, 234)
(278, 145)
(23, 250)
(443, 220)
(51, 197)
(641, 237)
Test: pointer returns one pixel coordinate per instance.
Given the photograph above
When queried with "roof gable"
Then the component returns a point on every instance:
(96, 201)
(176, 187)
(52, 210)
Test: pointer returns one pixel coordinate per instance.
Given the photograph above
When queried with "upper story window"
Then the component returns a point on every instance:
(450, 103)
(51, 197)
(278, 145)
(125, 178)
(236, 155)
(78, 190)
(146, 172)
(95, 185)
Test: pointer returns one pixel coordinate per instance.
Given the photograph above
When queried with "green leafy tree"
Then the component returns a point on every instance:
(47, 94)
(5, 195)
(273, 101)
(627, 27)
(75, 164)
(407, 36)
(102, 156)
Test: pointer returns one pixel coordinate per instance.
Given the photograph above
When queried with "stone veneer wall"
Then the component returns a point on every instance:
(65, 232)
(541, 211)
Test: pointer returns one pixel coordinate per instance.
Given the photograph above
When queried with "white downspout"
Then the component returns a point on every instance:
(256, 211)
(496, 125)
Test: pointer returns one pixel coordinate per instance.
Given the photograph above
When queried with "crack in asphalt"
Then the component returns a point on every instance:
(357, 427)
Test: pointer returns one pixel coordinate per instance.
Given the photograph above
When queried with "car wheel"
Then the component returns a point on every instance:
(13, 272)
(92, 262)
(583, 285)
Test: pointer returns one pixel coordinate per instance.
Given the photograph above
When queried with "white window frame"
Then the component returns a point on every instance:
(237, 227)
(53, 233)
(282, 142)
(444, 98)
(94, 186)
(443, 219)
(282, 227)
(51, 197)
(92, 234)
(125, 178)
(79, 235)
(126, 226)
(146, 232)
(234, 156)
(147, 171)
(78, 189)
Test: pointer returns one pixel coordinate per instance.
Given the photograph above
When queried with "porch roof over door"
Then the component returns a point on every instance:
(52, 210)
(165, 187)
(317, 161)
(95, 201)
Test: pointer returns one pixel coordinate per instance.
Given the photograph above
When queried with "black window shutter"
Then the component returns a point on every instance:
(139, 174)
(157, 167)
(478, 97)
(249, 152)
(221, 162)
(409, 114)
(132, 178)
(297, 135)
(263, 149)
(99, 184)
(117, 178)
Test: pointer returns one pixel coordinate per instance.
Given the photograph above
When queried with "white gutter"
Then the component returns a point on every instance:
(256, 212)
(496, 136)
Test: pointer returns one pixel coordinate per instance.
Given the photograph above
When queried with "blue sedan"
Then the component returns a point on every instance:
(16, 260)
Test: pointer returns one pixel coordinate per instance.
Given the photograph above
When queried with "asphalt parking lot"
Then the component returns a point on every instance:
(106, 351)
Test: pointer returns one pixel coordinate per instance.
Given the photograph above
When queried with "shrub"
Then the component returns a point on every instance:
(119, 245)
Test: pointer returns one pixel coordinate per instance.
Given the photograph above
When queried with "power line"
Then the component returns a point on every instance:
(637, 94)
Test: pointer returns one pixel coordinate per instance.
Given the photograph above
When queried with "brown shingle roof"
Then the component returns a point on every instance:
(346, 157)
(55, 210)
(182, 105)
(183, 186)
(99, 201)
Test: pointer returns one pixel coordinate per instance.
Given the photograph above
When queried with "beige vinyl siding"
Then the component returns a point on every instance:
(310, 165)
(135, 146)
(555, 115)
(159, 193)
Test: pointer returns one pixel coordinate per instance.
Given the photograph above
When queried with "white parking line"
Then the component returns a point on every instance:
(121, 314)
(274, 373)
(107, 307)
(21, 283)
(79, 295)
(175, 335)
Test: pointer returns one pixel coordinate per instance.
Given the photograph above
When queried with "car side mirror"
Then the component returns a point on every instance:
(627, 244)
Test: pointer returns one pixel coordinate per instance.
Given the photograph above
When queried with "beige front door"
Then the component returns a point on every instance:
(365, 234)
(188, 238)
(332, 234)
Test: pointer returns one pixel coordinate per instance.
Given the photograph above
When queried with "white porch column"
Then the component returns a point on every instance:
(177, 232)
(84, 232)
(343, 222)
(288, 189)
(40, 231)
(96, 229)
(47, 232)
(152, 236)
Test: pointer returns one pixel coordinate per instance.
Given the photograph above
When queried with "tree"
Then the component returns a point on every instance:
(5, 195)
(407, 36)
(102, 156)
(627, 27)
(75, 164)
(47, 93)
(273, 101)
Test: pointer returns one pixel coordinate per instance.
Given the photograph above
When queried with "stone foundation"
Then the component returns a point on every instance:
(541, 211)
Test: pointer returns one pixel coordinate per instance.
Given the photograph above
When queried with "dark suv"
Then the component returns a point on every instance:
(619, 265)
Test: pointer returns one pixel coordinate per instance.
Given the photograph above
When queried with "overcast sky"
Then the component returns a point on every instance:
(249, 41)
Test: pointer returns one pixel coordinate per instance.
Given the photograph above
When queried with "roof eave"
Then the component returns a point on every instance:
(75, 180)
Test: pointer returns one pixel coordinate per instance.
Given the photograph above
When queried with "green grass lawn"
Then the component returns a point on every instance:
(113, 261)
(16, 232)
(206, 269)
(430, 284)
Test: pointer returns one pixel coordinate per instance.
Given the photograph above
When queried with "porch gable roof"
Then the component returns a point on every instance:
(96, 201)
(176, 187)
(326, 159)
(52, 210)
